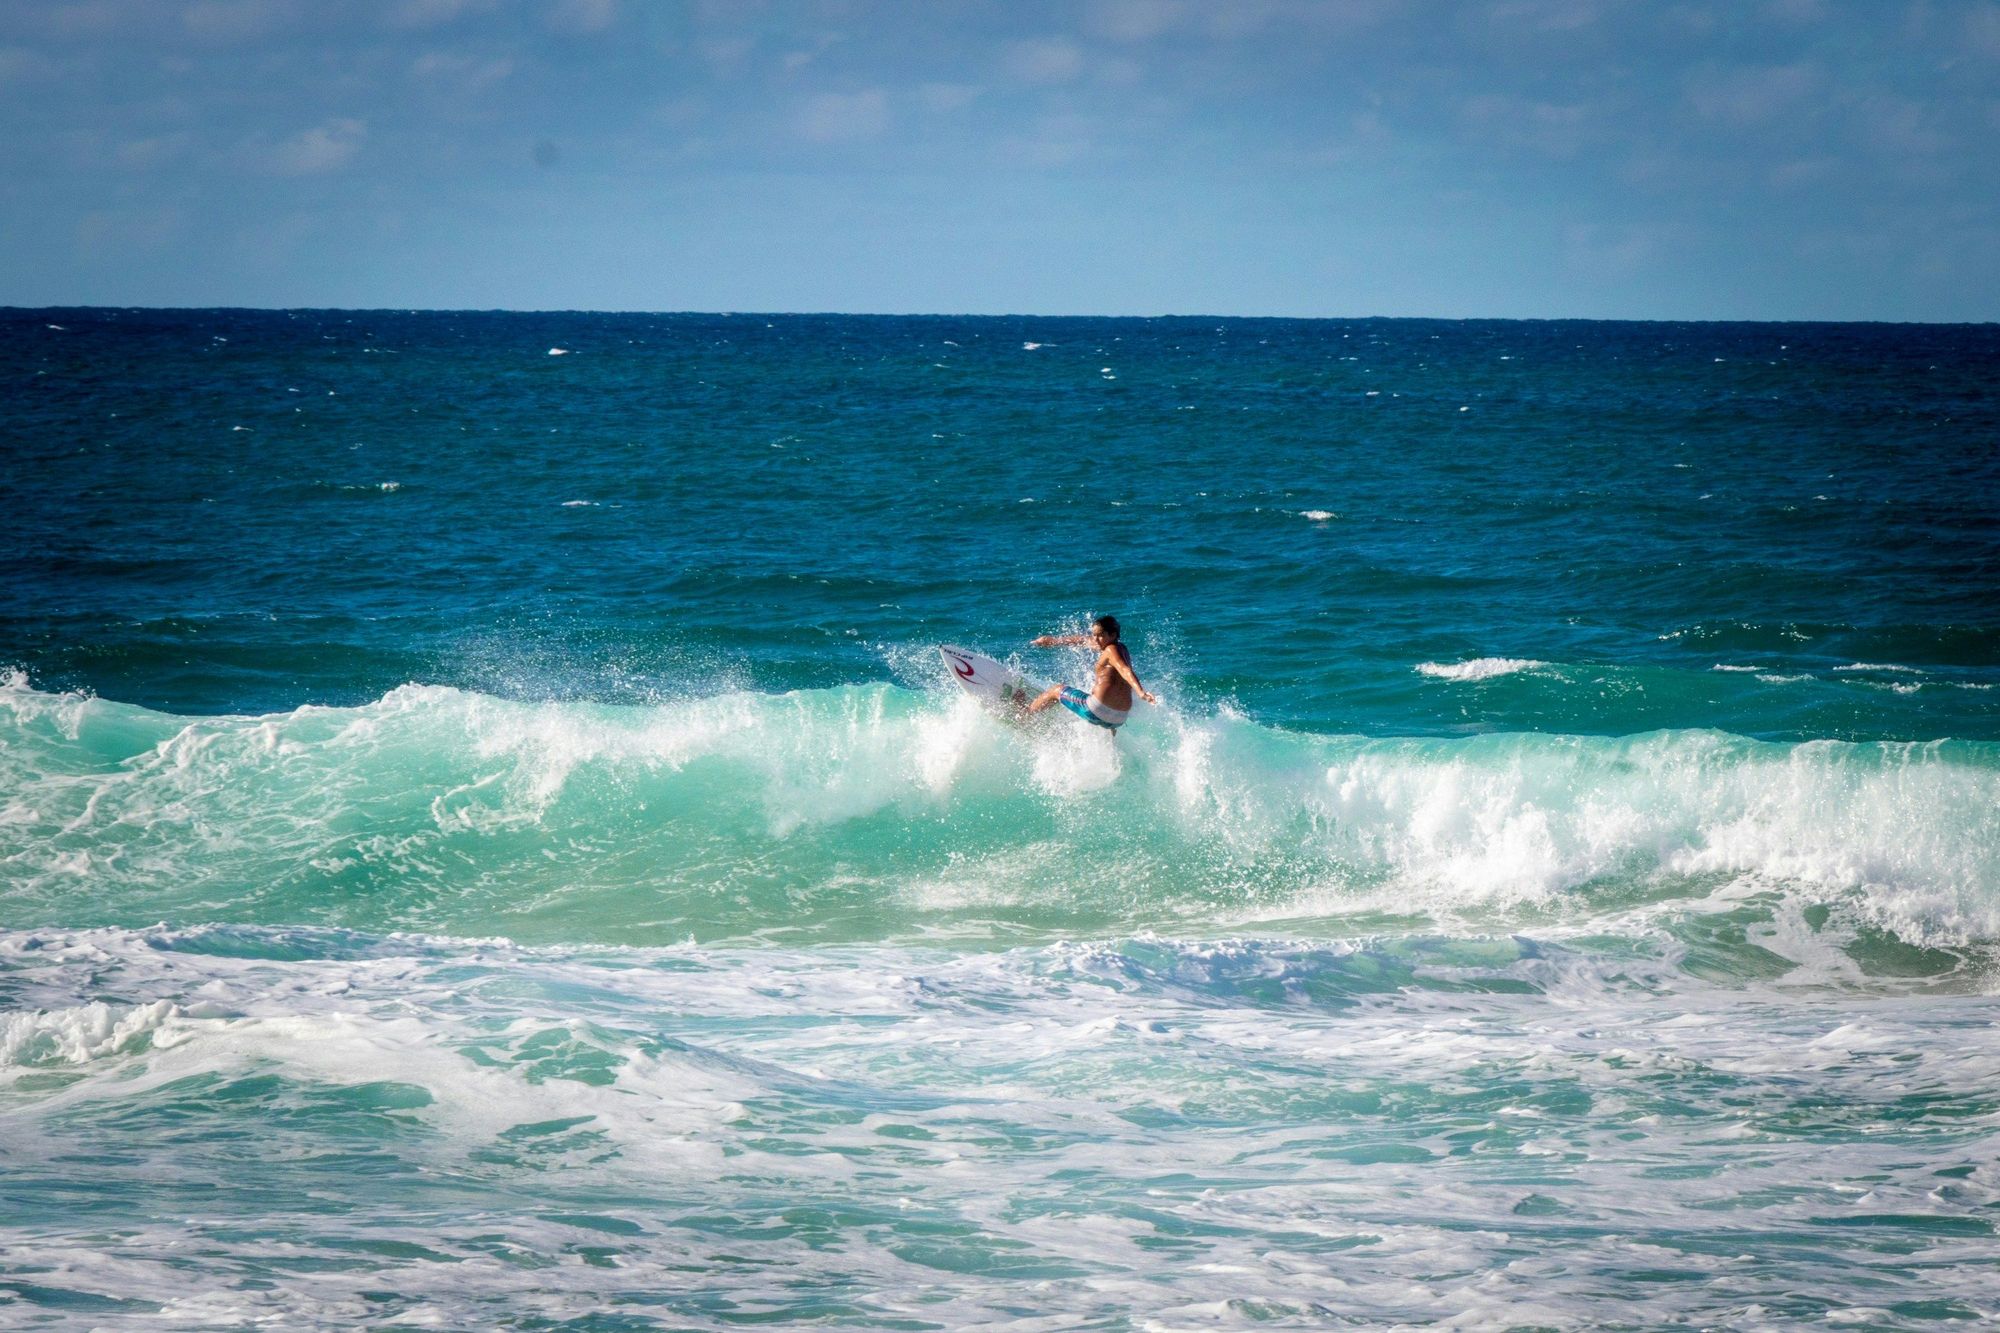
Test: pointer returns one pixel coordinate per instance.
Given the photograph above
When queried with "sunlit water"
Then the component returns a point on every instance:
(486, 840)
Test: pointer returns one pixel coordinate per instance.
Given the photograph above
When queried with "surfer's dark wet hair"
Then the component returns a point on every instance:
(1109, 624)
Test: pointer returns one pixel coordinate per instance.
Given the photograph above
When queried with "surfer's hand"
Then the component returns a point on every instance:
(1149, 696)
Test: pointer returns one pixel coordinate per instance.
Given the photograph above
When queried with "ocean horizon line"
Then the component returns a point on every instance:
(1697, 321)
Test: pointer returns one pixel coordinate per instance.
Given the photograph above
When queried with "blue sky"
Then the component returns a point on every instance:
(1781, 159)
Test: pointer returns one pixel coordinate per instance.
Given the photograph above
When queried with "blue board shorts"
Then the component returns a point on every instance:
(1079, 703)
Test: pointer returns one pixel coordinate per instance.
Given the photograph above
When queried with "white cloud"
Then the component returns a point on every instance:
(462, 73)
(945, 97)
(114, 232)
(1552, 128)
(1751, 94)
(1055, 141)
(18, 64)
(1801, 173)
(1050, 60)
(88, 18)
(1982, 30)
(809, 49)
(1796, 11)
(678, 112)
(427, 13)
(154, 151)
(1616, 251)
(1367, 133)
(1119, 72)
(1897, 128)
(235, 20)
(1045, 153)
(583, 15)
(316, 151)
(725, 55)
(1136, 20)
(842, 117)
(1546, 15)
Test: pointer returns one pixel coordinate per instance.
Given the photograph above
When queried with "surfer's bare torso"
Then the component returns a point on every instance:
(1113, 680)
(1111, 687)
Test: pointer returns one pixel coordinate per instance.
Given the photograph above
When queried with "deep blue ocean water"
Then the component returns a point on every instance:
(486, 838)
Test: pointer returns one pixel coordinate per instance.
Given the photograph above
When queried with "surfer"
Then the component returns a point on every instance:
(1110, 699)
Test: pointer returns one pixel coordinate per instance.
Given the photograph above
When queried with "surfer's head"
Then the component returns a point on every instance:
(1107, 626)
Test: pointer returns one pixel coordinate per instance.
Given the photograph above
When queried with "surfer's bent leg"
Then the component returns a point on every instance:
(1089, 709)
(1045, 698)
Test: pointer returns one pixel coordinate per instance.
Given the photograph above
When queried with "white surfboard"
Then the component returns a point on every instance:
(995, 684)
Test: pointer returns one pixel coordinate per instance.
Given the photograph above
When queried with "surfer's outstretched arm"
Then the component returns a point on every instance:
(1124, 668)
(1060, 641)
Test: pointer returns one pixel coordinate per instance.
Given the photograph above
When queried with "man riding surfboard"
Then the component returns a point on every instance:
(1109, 702)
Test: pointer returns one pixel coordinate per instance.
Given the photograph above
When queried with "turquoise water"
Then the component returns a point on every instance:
(486, 838)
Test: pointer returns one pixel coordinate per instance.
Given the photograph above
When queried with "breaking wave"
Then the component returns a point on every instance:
(872, 811)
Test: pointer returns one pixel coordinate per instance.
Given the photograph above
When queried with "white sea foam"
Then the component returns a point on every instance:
(1478, 668)
(41, 1038)
(1307, 1121)
(1318, 515)
(453, 809)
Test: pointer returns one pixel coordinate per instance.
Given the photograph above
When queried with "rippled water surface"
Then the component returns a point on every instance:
(486, 839)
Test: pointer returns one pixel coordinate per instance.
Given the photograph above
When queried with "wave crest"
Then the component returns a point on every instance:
(870, 810)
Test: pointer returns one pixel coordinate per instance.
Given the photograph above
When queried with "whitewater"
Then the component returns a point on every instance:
(956, 1025)
(486, 840)
(877, 811)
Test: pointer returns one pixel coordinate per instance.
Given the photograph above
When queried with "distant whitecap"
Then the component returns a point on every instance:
(1478, 668)
(559, 351)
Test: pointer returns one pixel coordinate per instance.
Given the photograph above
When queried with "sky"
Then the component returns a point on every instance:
(1644, 159)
